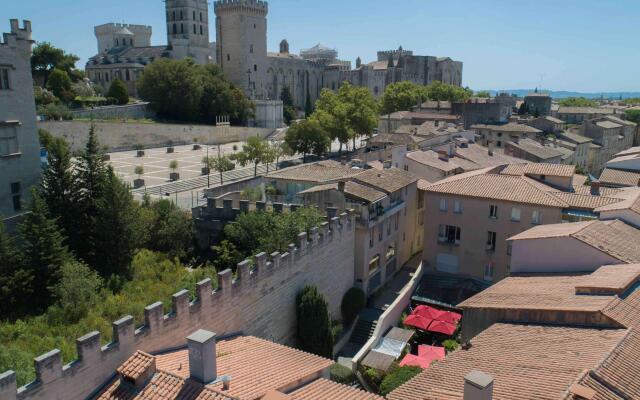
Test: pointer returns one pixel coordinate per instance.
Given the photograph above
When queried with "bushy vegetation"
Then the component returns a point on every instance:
(55, 111)
(352, 302)
(314, 324)
(578, 102)
(85, 303)
(633, 115)
(341, 374)
(255, 232)
(118, 91)
(404, 95)
(396, 377)
(184, 91)
(307, 137)
(450, 345)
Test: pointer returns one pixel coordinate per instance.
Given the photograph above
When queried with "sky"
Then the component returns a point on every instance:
(574, 45)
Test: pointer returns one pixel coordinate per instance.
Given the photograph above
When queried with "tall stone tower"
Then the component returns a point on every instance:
(188, 29)
(241, 48)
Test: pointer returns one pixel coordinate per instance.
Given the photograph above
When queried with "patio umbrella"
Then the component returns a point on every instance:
(450, 317)
(428, 312)
(415, 361)
(431, 352)
(417, 321)
(442, 327)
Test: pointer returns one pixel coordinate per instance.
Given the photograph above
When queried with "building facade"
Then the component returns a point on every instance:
(20, 165)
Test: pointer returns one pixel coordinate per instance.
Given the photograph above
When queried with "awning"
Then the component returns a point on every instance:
(450, 317)
(417, 321)
(428, 312)
(415, 361)
(442, 327)
(434, 352)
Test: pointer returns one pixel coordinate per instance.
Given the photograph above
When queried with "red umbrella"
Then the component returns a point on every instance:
(415, 361)
(442, 327)
(450, 317)
(428, 312)
(431, 352)
(417, 321)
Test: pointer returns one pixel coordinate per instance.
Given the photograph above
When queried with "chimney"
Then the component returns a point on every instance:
(478, 386)
(202, 356)
(341, 186)
(452, 149)
(490, 147)
(595, 187)
(443, 155)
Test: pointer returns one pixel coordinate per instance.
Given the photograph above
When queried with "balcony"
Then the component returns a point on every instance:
(370, 216)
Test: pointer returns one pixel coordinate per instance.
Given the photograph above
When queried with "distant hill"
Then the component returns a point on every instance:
(565, 94)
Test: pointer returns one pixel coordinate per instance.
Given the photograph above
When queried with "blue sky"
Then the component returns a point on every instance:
(578, 45)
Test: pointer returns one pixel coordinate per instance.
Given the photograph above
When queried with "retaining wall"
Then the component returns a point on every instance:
(260, 302)
(129, 111)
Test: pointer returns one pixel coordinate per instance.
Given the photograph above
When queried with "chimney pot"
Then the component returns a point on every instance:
(202, 356)
(478, 386)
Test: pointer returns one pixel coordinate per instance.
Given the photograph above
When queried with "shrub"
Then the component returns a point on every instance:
(373, 378)
(397, 377)
(336, 330)
(341, 374)
(118, 91)
(314, 330)
(76, 292)
(55, 112)
(352, 302)
(450, 345)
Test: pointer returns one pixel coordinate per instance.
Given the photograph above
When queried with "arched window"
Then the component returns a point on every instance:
(175, 29)
(255, 67)
(174, 16)
(194, 29)
(128, 75)
(194, 15)
(201, 30)
(131, 42)
(200, 17)
(181, 15)
(117, 42)
(181, 28)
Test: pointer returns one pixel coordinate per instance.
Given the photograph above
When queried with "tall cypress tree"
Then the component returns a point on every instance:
(114, 236)
(15, 281)
(308, 107)
(314, 323)
(44, 252)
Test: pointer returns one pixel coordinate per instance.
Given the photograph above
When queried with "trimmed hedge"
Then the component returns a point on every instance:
(341, 374)
(397, 377)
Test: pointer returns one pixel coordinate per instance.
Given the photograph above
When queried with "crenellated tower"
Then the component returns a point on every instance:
(241, 35)
(188, 29)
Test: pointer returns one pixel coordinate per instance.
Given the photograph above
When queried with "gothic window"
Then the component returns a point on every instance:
(201, 30)
(181, 15)
(131, 42)
(175, 29)
(4, 79)
(255, 67)
(200, 17)
(117, 43)
(128, 75)
(194, 29)
(181, 28)
(194, 15)
(174, 16)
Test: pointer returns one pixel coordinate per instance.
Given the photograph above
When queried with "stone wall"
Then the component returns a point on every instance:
(260, 302)
(125, 135)
(129, 111)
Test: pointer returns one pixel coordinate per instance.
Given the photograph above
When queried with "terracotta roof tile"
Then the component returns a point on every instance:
(389, 180)
(352, 189)
(136, 365)
(616, 177)
(526, 361)
(320, 172)
(323, 389)
(510, 127)
(566, 171)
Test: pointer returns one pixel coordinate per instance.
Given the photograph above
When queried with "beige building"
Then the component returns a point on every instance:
(498, 135)
(577, 115)
(20, 165)
(389, 220)
(472, 215)
(547, 124)
(612, 134)
(534, 151)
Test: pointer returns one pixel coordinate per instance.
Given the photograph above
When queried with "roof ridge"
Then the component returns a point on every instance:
(614, 352)
(530, 182)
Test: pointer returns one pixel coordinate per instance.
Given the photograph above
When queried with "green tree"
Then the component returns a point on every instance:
(401, 96)
(445, 92)
(333, 116)
(289, 111)
(482, 93)
(255, 151)
(307, 137)
(166, 228)
(46, 57)
(578, 102)
(397, 377)
(633, 115)
(76, 292)
(113, 238)
(226, 256)
(43, 250)
(220, 163)
(308, 106)
(314, 324)
(15, 280)
(60, 84)
(522, 110)
(362, 110)
(118, 91)
(220, 97)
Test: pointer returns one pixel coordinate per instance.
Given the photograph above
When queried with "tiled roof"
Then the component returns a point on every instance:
(323, 389)
(255, 365)
(423, 184)
(562, 170)
(554, 119)
(619, 120)
(395, 138)
(480, 155)
(614, 237)
(526, 361)
(352, 189)
(618, 177)
(536, 149)
(136, 365)
(630, 200)
(608, 124)
(585, 201)
(584, 110)
(388, 180)
(432, 159)
(574, 137)
(519, 189)
(510, 127)
(320, 172)
(630, 150)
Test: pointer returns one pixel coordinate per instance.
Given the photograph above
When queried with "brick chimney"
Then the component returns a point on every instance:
(478, 386)
(202, 356)
(341, 186)
(595, 187)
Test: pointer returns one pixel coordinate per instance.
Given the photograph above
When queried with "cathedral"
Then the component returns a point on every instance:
(241, 51)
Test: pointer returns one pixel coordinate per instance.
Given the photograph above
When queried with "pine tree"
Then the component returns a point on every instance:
(314, 324)
(308, 107)
(44, 252)
(15, 281)
(114, 236)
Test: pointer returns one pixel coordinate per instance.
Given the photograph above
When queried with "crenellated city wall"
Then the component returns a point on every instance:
(259, 302)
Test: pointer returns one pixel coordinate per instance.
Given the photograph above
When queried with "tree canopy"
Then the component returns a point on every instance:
(255, 151)
(289, 111)
(578, 102)
(118, 91)
(314, 323)
(60, 84)
(307, 137)
(403, 95)
(46, 57)
(183, 90)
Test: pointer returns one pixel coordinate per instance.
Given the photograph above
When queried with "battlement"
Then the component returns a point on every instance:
(18, 33)
(383, 55)
(259, 301)
(113, 27)
(252, 6)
